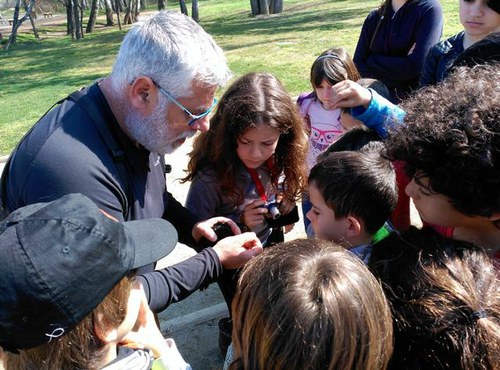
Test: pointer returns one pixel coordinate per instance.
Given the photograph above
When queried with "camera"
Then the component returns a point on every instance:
(273, 211)
(222, 230)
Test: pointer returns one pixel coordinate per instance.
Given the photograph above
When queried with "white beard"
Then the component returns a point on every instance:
(153, 132)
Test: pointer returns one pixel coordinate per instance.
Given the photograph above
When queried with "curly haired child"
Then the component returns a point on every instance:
(253, 155)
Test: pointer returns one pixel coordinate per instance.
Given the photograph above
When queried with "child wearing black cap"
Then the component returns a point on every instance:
(68, 299)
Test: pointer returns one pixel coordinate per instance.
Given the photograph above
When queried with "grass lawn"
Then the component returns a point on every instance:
(36, 73)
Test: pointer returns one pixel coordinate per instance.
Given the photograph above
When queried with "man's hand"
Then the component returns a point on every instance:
(349, 94)
(204, 228)
(235, 251)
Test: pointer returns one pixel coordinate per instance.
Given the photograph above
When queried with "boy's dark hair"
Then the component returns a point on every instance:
(452, 135)
(362, 184)
(352, 140)
(445, 300)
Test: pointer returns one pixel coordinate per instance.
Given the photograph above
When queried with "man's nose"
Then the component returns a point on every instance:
(202, 124)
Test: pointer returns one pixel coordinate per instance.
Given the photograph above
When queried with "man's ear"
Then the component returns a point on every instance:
(354, 226)
(143, 94)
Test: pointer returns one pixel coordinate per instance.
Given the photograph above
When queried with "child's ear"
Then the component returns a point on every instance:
(354, 226)
(106, 335)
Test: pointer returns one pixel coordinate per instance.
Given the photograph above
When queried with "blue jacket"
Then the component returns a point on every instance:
(379, 115)
(418, 23)
(440, 58)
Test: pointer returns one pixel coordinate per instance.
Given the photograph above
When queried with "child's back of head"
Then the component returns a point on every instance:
(445, 299)
(310, 304)
(361, 184)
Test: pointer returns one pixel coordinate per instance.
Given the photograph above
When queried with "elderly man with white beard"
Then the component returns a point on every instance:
(107, 142)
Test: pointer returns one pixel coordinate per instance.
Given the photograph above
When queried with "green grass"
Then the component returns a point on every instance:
(36, 73)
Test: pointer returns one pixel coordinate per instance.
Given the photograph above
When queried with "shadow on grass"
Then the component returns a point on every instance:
(296, 20)
(54, 59)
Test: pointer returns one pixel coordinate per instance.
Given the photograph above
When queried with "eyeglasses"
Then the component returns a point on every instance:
(194, 117)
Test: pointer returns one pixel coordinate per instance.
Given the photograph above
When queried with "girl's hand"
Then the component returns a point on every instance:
(204, 228)
(254, 213)
(286, 206)
(349, 94)
(288, 228)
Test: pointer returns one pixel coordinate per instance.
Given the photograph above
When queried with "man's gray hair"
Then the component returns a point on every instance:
(174, 51)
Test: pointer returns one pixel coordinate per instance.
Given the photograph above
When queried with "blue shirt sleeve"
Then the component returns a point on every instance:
(379, 114)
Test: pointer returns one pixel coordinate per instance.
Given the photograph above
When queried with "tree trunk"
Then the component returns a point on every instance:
(143, 4)
(264, 6)
(109, 13)
(184, 9)
(80, 7)
(276, 6)
(194, 11)
(92, 17)
(137, 9)
(16, 23)
(31, 14)
(77, 16)
(127, 18)
(254, 4)
(117, 5)
(162, 4)
(69, 16)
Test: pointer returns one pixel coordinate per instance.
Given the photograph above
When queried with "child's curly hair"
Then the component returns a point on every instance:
(452, 135)
(253, 100)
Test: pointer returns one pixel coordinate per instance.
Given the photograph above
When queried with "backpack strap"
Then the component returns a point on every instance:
(116, 152)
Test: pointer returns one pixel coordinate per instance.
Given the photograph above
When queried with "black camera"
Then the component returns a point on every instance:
(273, 210)
(222, 230)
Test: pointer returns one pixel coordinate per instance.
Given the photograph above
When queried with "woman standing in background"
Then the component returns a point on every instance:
(394, 41)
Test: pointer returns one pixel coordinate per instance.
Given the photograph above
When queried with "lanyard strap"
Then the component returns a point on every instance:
(256, 180)
(258, 184)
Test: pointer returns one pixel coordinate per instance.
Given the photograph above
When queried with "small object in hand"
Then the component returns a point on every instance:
(222, 230)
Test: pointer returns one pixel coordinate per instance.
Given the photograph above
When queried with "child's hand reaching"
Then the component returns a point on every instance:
(349, 94)
(286, 206)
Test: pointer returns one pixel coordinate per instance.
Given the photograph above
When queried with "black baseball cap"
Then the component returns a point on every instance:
(61, 259)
